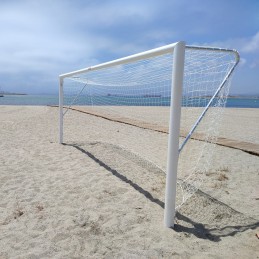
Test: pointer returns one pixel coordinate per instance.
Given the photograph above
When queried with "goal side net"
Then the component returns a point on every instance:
(176, 91)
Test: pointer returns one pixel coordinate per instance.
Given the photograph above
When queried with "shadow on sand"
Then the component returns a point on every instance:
(184, 224)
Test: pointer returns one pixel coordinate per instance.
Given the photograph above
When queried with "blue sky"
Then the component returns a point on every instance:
(41, 39)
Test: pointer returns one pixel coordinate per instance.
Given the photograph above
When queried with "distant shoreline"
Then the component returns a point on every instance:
(13, 93)
(231, 97)
(243, 97)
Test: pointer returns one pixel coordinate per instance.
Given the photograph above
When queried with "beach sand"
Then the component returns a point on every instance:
(101, 194)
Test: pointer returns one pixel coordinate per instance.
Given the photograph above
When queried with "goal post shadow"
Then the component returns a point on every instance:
(185, 222)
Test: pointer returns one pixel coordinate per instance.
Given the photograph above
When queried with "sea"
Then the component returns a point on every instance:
(44, 100)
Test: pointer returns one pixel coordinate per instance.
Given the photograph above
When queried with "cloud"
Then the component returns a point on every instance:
(47, 32)
(248, 48)
(254, 64)
(42, 39)
(251, 45)
(242, 61)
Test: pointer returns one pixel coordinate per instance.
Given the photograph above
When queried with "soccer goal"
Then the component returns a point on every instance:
(176, 90)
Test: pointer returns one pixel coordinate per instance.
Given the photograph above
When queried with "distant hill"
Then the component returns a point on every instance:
(243, 96)
(8, 93)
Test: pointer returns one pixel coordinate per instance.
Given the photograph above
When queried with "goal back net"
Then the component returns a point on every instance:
(173, 96)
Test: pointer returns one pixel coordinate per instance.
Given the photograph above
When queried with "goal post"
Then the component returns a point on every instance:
(174, 76)
(174, 133)
(61, 97)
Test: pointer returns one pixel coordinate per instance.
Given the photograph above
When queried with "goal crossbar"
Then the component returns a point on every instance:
(145, 54)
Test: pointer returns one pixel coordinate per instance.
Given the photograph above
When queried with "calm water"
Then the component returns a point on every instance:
(29, 100)
(112, 100)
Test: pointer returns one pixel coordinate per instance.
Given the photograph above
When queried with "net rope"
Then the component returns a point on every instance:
(140, 91)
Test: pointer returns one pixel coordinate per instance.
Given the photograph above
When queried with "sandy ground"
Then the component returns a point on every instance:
(101, 195)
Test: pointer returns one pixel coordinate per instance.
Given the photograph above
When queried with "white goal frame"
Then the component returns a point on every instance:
(178, 49)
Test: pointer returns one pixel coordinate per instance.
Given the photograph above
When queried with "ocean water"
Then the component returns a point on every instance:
(114, 100)
(29, 100)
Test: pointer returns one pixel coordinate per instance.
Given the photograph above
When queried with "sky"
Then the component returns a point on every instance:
(41, 39)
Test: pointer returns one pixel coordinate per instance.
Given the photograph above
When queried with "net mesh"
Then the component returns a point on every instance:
(138, 94)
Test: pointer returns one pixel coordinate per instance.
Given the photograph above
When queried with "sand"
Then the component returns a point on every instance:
(102, 194)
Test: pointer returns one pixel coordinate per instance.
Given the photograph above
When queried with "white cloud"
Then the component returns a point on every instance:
(248, 47)
(41, 39)
(113, 12)
(251, 45)
(242, 61)
(254, 64)
(242, 44)
(37, 33)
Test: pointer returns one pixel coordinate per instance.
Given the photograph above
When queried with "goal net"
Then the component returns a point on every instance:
(144, 93)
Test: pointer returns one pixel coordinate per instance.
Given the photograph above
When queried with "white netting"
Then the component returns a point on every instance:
(139, 93)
